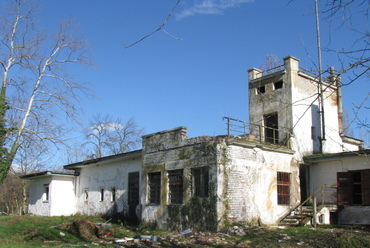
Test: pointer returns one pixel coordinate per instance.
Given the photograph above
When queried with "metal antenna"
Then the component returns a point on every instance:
(320, 88)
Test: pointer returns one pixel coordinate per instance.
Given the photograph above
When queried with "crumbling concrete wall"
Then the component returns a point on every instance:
(297, 107)
(172, 150)
(243, 180)
(251, 182)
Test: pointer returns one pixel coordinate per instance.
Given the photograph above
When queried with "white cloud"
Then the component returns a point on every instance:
(210, 7)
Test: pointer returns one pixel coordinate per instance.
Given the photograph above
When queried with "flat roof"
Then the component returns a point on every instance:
(330, 156)
(125, 155)
(45, 173)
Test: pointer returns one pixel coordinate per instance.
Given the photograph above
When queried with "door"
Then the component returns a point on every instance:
(133, 194)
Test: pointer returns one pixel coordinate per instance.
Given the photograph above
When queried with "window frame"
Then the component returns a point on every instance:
(200, 183)
(46, 194)
(154, 188)
(283, 188)
(102, 194)
(350, 187)
(113, 194)
(176, 186)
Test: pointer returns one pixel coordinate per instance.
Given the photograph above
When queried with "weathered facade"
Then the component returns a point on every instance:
(208, 182)
(346, 177)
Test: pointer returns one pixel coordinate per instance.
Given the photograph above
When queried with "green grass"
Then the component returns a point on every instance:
(35, 231)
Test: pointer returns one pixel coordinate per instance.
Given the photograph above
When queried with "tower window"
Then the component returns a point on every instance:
(261, 90)
(278, 85)
(271, 128)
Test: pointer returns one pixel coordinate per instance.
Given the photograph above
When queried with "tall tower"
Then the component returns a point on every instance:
(284, 109)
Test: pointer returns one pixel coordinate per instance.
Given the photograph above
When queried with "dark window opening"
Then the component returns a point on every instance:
(271, 128)
(101, 194)
(176, 186)
(113, 192)
(201, 181)
(353, 187)
(154, 187)
(261, 90)
(283, 190)
(357, 189)
(278, 85)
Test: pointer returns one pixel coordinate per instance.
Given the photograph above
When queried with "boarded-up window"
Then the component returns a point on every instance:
(283, 190)
(154, 187)
(176, 186)
(201, 181)
(353, 187)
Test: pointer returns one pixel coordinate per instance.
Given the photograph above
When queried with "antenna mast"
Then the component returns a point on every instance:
(320, 88)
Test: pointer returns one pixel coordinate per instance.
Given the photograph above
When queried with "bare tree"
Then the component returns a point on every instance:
(271, 64)
(353, 16)
(107, 135)
(38, 98)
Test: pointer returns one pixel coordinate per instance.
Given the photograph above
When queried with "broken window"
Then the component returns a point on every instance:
(176, 186)
(154, 187)
(278, 85)
(46, 192)
(271, 128)
(261, 89)
(113, 194)
(101, 194)
(353, 187)
(200, 181)
(283, 188)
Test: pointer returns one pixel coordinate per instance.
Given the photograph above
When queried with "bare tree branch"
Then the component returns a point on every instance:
(158, 29)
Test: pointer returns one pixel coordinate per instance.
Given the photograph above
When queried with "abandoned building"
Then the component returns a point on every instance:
(289, 151)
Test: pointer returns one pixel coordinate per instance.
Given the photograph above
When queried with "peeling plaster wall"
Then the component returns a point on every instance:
(97, 176)
(252, 184)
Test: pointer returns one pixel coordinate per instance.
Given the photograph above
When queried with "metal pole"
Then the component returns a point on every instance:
(314, 220)
(320, 88)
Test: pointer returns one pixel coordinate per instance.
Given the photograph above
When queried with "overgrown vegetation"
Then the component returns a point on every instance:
(34, 231)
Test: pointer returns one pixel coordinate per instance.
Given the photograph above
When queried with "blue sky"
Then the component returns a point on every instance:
(165, 82)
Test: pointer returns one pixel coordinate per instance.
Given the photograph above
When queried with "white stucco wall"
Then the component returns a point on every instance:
(36, 203)
(61, 196)
(105, 175)
(325, 173)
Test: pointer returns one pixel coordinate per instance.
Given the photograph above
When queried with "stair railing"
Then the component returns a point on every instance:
(313, 197)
